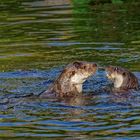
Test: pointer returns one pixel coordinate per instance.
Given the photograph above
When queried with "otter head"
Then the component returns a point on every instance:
(122, 78)
(73, 76)
(81, 71)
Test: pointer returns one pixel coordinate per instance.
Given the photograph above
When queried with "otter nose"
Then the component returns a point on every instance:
(94, 65)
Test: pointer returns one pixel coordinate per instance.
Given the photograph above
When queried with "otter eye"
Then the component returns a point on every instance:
(73, 72)
(84, 67)
(124, 74)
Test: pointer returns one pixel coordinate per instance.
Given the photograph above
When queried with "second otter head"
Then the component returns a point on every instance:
(122, 78)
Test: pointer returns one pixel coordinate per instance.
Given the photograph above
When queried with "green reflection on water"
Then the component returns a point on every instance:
(39, 37)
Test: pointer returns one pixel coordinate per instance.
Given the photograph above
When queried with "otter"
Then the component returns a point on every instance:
(122, 78)
(71, 79)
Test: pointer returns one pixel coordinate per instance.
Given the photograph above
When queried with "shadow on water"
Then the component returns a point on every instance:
(37, 38)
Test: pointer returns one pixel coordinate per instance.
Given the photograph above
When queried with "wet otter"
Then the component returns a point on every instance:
(122, 78)
(70, 81)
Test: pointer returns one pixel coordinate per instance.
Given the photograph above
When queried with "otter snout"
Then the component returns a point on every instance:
(110, 72)
(93, 67)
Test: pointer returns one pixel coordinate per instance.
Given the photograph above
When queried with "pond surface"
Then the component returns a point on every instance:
(37, 39)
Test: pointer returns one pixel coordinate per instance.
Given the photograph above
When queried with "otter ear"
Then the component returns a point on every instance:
(77, 64)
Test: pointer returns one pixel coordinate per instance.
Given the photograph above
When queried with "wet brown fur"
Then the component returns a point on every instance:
(63, 86)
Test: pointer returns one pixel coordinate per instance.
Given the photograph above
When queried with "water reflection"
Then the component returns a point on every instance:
(57, 2)
(42, 33)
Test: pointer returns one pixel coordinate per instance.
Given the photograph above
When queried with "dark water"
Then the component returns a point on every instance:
(37, 38)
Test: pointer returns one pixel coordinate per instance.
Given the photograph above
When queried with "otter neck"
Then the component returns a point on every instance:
(78, 87)
(70, 85)
(118, 81)
(77, 80)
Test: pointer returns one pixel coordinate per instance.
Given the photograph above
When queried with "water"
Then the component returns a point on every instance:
(37, 39)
